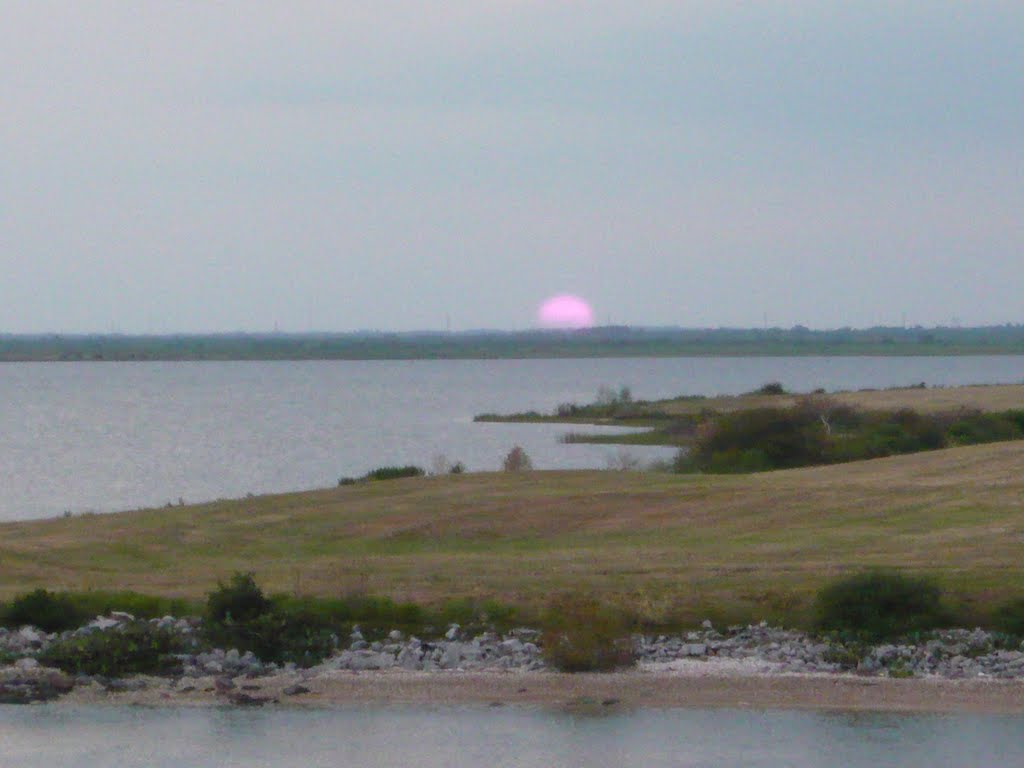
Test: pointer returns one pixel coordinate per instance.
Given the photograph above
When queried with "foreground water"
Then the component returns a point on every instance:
(58, 737)
(108, 436)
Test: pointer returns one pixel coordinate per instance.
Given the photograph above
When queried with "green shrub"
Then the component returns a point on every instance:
(394, 473)
(762, 438)
(582, 635)
(277, 635)
(1009, 618)
(133, 649)
(238, 601)
(878, 605)
(820, 431)
(771, 388)
(239, 615)
(50, 611)
(977, 428)
(384, 473)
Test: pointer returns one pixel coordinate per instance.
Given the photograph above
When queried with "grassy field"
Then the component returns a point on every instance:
(668, 547)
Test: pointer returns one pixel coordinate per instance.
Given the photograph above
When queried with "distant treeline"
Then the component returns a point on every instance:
(606, 341)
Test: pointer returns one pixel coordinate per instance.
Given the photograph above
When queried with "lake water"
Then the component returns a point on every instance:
(112, 436)
(67, 737)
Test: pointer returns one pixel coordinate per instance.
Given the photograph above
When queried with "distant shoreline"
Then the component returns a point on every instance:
(590, 692)
(601, 342)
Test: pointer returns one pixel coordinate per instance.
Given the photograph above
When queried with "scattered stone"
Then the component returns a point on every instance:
(245, 700)
(295, 690)
(122, 685)
(38, 684)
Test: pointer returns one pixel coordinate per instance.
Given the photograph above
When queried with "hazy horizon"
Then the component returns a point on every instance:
(332, 166)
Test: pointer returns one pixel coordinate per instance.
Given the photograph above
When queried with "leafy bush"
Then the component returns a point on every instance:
(239, 615)
(1009, 618)
(904, 431)
(133, 649)
(50, 611)
(771, 388)
(278, 635)
(238, 601)
(582, 635)
(517, 460)
(820, 431)
(394, 473)
(976, 428)
(878, 605)
(761, 438)
(384, 473)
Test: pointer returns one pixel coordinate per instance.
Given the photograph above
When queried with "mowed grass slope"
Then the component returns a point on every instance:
(666, 546)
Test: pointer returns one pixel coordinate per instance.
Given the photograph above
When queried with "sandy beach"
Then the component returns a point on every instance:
(583, 692)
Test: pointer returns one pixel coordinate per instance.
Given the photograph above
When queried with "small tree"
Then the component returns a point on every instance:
(239, 601)
(517, 460)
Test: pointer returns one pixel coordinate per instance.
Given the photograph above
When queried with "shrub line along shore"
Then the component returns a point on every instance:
(754, 667)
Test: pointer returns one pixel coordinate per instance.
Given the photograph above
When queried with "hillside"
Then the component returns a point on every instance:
(727, 546)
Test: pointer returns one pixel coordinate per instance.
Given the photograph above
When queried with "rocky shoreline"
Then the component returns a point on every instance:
(757, 651)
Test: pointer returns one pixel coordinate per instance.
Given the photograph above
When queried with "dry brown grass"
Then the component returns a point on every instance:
(998, 397)
(731, 547)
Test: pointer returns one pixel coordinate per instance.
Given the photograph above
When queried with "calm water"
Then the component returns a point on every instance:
(62, 737)
(110, 436)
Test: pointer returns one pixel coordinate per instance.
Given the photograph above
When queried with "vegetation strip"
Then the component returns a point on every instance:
(608, 341)
(773, 429)
(876, 623)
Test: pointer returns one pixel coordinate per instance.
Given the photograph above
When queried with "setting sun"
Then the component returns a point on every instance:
(565, 311)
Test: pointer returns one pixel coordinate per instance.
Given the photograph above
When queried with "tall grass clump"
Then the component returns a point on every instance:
(880, 605)
(582, 635)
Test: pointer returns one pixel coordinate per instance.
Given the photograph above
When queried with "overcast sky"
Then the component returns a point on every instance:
(338, 165)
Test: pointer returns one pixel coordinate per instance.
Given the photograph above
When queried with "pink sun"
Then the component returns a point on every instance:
(565, 311)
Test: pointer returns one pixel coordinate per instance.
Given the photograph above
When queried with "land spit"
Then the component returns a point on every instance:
(754, 666)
